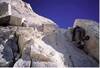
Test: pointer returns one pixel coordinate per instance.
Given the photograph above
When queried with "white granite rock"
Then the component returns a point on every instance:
(8, 47)
(5, 9)
(40, 51)
(25, 60)
(38, 41)
(92, 30)
(22, 63)
(21, 12)
(43, 64)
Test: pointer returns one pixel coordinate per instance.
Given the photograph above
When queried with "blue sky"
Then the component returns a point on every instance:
(64, 12)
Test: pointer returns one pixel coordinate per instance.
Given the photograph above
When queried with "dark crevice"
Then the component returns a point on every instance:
(18, 51)
(4, 21)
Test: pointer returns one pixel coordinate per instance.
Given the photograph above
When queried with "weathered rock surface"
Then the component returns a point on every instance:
(21, 14)
(40, 51)
(30, 40)
(44, 64)
(25, 60)
(22, 63)
(72, 55)
(8, 47)
(92, 30)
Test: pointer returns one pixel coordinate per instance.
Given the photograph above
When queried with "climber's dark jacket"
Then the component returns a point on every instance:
(79, 35)
(79, 32)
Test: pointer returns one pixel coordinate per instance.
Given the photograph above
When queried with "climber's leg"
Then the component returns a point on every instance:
(73, 35)
(87, 37)
(80, 41)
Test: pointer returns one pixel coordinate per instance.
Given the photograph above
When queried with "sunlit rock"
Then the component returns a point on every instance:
(92, 30)
(22, 13)
(5, 9)
(30, 40)
(43, 64)
(40, 51)
(25, 60)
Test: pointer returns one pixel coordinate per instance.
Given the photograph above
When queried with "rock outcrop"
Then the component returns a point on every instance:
(30, 40)
(92, 30)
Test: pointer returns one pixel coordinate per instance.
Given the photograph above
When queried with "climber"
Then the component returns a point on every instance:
(79, 36)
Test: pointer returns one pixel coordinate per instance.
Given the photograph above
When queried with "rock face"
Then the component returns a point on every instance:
(8, 46)
(92, 30)
(30, 40)
(21, 13)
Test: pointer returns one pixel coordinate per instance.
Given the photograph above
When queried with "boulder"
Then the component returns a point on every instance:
(16, 21)
(92, 30)
(5, 9)
(6, 18)
(20, 13)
